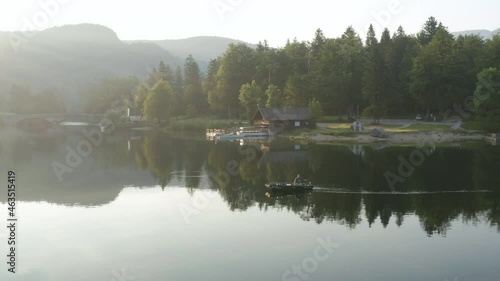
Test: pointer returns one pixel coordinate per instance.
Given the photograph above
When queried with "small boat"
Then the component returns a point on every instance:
(290, 187)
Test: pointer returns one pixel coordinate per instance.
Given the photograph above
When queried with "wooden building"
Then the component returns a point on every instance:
(284, 119)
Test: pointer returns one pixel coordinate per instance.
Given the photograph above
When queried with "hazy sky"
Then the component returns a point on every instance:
(248, 20)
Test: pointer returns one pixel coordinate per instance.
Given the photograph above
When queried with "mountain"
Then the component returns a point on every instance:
(70, 57)
(202, 48)
(486, 34)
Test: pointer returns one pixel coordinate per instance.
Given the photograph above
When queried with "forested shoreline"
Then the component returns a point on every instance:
(387, 75)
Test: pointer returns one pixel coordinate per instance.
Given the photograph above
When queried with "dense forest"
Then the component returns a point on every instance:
(391, 74)
(398, 74)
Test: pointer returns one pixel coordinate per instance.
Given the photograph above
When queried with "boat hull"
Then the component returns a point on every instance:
(289, 188)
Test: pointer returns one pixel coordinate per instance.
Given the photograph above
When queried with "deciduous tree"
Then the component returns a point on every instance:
(251, 97)
(158, 104)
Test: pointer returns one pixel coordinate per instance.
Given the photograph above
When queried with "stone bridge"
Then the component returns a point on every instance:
(17, 119)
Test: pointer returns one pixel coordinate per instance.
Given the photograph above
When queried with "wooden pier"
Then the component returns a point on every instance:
(212, 133)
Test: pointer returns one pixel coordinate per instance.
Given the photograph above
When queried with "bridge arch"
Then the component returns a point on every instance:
(34, 124)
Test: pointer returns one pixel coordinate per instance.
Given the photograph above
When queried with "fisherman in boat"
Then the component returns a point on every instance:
(298, 180)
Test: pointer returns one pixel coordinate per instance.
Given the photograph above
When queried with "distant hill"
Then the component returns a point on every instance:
(202, 48)
(486, 34)
(70, 57)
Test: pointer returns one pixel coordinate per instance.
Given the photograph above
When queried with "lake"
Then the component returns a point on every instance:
(158, 206)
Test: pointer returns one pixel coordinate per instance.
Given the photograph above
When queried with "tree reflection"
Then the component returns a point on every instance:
(346, 173)
(194, 158)
(24, 146)
(158, 151)
(343, 172)
(353, 188)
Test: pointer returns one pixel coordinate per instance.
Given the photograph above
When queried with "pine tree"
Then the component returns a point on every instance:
(372, 77)
(487, 99)
(350, 70)
(405, 49)
(178, 88)
(193, 89)
(389, 78)
(210, 86)
(317, 44)
(433, 75)
(165, 73)
(428, 31)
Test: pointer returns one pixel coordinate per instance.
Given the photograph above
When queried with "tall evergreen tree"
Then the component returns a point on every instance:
(493, 51)
(405, 49)
(433, 75)
(470, 55)
(165, 73)
(350, 49)
(314, 76)
(153, 78)
(178, 88)
(326, 78)
(430, 28)
(373, 77)
(317, 44)
(210, 85)
(297, 90)
(487, 99)
(263, 64)
(389, 78)
(193, 89)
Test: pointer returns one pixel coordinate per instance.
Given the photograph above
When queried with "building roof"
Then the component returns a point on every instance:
(276, 114)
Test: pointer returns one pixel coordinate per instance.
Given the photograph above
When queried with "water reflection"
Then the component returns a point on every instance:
(152, 159)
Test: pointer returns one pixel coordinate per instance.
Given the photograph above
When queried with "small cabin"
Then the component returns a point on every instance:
(284, 119)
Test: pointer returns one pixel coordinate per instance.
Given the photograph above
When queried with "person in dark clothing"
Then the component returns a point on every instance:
(298, 180)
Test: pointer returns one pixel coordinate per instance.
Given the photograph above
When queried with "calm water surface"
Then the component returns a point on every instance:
(153, 206)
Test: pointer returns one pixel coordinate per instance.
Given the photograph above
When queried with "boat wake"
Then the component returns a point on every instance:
(347, 191)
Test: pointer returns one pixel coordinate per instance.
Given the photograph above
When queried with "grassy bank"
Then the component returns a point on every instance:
(420, 128)
(336, 127)
(343, 129)
(473, 126)
(328, 132)
(336, 119)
